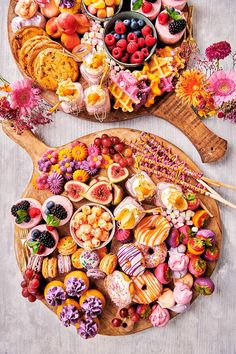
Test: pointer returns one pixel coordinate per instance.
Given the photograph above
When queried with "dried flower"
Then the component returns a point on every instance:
(217, 51)
(68, 4)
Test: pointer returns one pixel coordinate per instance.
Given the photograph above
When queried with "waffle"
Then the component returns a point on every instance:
(160, 66)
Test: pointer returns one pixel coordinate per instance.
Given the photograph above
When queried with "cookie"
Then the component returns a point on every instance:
(53, 66)
(66, 246)
(49, 269)
(23, 35)
(75, 259)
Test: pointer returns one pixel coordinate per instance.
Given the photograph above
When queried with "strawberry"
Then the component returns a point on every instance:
(141, 42)
(146, 30)
(117, 53)
(132, 37)
(132, 47)
(163, 18)
(33, 212)
(147, 7)
(122, 43)
(137, 58)
(110, 40)
(125, 58)
(150, 40)
(145, 52)
(120, 27)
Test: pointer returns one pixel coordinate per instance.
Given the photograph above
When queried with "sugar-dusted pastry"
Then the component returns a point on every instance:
(37, 20)
(128, 213)
(120, 288)
(108, 263)
(92, 303)
(26, 9)
(57, 210)
(71, 96)
(55, 293)
(150, 9)
(140, 186)
(26, 213)
(153, 256)
(76, 283)
(131, 260)
(94, 67)
(146, 288)
(97, 100)
(152, 230)
(170, 25)
(69, 312)
(177, 4)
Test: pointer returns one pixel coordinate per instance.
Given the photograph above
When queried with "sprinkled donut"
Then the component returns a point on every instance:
(153, 256)
(120, 288)
(146, 288)
(131, 260)
(152, 230)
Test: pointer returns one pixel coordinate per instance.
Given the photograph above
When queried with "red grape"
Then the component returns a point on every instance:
(116, 322)
(31, 298)
(122, 162)
(98, 142)
(29, 273)
(135, 317)
(104, 136)
(34, 283)
(25, 292)
(105, 151)
(116, 157)
(39, 296)
(32, 290)
(37, 276)
(124, 313)
(131, 310)
(119, 147)
(23, 284)
(128, 152)
(106, 142)
(115, 140)
(130, 161)
(112, 151)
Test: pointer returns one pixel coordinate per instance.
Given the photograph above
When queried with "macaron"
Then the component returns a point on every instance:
(64, 264)
(108, 263)
(96, 273)
(89, 259)
(35, 263)
(49, 268)
(75, 259)
(66, 246)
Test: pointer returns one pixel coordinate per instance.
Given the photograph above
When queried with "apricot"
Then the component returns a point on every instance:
(51, 9)
(102, 13)
(83, 23)
(110, 2)
(70, 41)
(52, 28)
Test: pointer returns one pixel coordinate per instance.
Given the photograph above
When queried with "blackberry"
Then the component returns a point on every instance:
(152, 1)
(14, 210)
(27, 218)
(24, 205)
(60, 212)
(46, 239)
(177, 26)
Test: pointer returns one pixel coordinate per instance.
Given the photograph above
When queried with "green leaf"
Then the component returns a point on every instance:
(173, 14)
(190, 197)
(137, 5)
(35, 249)
(21, 215)
(32, 243)
(52, 220)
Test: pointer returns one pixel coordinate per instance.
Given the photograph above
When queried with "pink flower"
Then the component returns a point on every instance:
(95, 161)
(24, 96)
(223, 86)
(218, 51)
(93, 150)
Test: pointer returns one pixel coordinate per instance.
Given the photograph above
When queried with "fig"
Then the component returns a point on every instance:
(98, 179)
(173, 238)
(207, 236)
(76, 190)
(204, 286)
(100, 192)
(118, 194)
(116, 173)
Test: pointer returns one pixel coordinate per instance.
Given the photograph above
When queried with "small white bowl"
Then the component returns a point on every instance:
(112, 232)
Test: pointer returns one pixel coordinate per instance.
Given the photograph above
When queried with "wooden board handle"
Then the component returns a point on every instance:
(27, 140)
(210, 146)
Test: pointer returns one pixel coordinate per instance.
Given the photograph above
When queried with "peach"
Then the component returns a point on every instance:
(52, 28)
(51, 9)
(67, 23)
(102, 13)
(70, 41)
(83, 23)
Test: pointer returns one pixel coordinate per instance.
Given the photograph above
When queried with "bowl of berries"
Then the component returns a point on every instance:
(102, 10)
(130, 39)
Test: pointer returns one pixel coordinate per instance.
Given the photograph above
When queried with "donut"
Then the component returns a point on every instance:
(120, 288)
(146, 288)
(152, 230)
(153, 256)
(131, 260)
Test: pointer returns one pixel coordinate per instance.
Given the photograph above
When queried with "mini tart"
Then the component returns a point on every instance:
(95, 293)
(108, 263)
(33, 221)
(63, 201)
(156, 7)
(68, 302)
(78, 275)
(164, 34)
(146, 288)
(120, 288)
(54, 284)
(42, 228)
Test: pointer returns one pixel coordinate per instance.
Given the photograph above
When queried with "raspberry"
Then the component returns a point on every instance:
(146, 30)
(132, 37)
(50, 228)
(145, 52)
(150, 41)
(177, 26)
(125, 58)
(33, 212)
(117, 53)
(132, 47)
(120, 28)
(122, 43)
(147, 7)
(110, 39)
(111, 47)
(141, 42)
(163, 18)
(137, 58)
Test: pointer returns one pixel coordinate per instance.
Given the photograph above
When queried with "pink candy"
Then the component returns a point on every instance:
(178, 262)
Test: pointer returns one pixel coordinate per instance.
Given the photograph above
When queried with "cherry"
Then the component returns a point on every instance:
(116, 322)
(116, 157)
(115, 140)
(37, 276)
(128, 152)
(23, 284)
(104, 136)
(131, 310)
(124, 313)
(25, 292)
(34, 283)
(31, 298)
(105, 151)
(106, 142)
(129, 161)
(98, 142)
(122, 162)
(119, 147)
(29, 273)
(135, 317)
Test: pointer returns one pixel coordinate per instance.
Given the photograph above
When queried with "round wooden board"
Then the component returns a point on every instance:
(35, 149)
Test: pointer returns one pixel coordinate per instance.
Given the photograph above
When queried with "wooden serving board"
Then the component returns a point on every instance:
(170, 107)
(35, 148)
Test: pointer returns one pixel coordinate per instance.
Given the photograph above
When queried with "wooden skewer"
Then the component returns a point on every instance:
(220, 199)
(211, 190)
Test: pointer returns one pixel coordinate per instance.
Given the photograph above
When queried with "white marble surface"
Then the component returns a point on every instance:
(210, 326)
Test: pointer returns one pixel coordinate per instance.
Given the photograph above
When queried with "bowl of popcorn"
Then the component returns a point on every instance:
(102, 10)
(92, 226)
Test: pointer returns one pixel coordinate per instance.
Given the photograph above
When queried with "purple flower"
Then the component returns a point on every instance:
(66, 165)
(91, 170)
(56, 183)
(68, 4)
(217, 51)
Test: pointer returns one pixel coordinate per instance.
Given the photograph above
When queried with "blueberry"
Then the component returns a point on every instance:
(46, 211)
(123, 36)
(50, 205)
(35, 234)
(138, 33)
(141, 23)
(134, 25)
(117, 36)
(27, 218)
(127, 22)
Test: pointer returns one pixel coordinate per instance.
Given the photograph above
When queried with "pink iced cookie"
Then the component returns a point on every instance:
(54, 234)
(33, 221)
(59, 202)
(159, 316)
(182, 294)
(37, 20)
(164, 34)
(177, 4)
(152, 15)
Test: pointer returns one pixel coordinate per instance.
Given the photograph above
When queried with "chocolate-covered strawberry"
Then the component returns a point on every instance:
(143, 310)
(207, 236)
(193, 201)
(197, 266)
(204, 286)
(173, 240)
(196, 246)
(185, 234)
(211, 254)
(163, 273)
